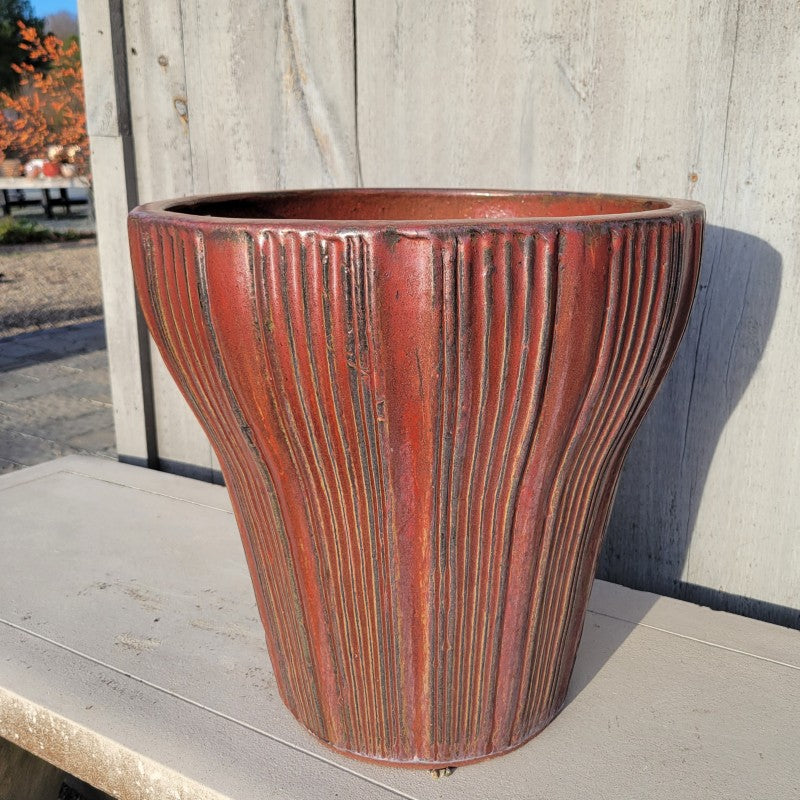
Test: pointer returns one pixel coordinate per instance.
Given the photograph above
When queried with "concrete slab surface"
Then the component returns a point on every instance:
(131, 655)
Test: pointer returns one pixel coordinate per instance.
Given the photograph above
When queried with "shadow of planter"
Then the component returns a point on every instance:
(651, 528)
(662, 483)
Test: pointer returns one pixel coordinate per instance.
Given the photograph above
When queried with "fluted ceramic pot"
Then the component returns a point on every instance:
(421, 401)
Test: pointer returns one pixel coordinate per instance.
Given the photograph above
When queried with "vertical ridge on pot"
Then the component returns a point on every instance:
(422, 433)
(498, 382)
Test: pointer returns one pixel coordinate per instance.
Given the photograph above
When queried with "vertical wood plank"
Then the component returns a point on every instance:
(579, 95)
(160, 124)
(108, 121)
(281, 113)
(159, 110)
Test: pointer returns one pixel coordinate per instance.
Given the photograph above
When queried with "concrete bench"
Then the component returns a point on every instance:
(54, 193)
(131, 655)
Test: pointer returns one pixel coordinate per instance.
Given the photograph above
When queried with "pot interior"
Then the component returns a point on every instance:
(363, 205)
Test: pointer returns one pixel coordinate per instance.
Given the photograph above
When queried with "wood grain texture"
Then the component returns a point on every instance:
(281, 112)
(682, 99)
(551, 94)
(160, 124)
(114, 194)
(421, 429)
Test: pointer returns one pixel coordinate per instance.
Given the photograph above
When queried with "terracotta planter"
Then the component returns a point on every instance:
(421, 401)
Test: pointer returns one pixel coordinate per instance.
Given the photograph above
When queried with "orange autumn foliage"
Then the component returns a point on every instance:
(48, 108)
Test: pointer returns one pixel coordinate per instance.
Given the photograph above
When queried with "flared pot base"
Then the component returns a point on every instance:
(431, 765)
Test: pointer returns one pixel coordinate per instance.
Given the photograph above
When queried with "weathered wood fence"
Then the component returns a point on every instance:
(684, 99)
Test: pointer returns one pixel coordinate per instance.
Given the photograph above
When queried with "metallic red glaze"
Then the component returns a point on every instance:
(421, 401)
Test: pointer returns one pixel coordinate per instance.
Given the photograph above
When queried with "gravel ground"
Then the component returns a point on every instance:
(48, 284)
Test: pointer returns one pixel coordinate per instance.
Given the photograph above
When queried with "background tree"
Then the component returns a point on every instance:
(11, 11)
(49, 107)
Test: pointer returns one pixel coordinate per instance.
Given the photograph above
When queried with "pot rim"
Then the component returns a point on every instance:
(659, 207)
